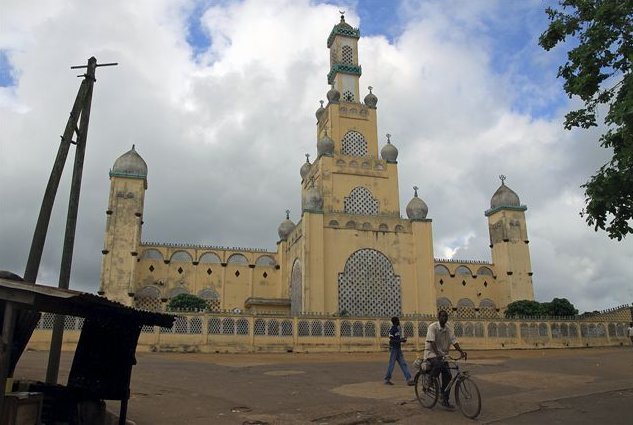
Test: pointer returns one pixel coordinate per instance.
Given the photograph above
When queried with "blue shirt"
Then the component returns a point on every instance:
(394, 337)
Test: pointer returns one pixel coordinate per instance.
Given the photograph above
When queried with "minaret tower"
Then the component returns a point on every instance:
(128, 182)
(351, 252)
(509, 244)
(347, 134)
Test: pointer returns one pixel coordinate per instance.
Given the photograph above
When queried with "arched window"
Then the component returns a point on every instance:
(368, 285)
(463, 270)
(265, 260)
(238, 259)
(151, 254)
(444, 303)
(177, 291)
(210, 258)
(211, 297)
(440, 269)
(484, 271)
(360, 201)
(465, 302)
(148, 292)
(182, 256)
(486, 303)
(354, 144)
(148, 299)
(347, 55)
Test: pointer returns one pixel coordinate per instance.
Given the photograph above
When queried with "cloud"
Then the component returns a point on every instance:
(223, 121)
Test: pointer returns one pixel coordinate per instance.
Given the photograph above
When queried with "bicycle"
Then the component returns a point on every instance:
(467, 396)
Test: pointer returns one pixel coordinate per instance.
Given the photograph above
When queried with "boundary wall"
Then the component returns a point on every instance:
(231, 332)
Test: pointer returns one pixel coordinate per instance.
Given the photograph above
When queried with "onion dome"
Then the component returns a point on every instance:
(371, 100)
(286, 227)
(333, 95)
(319, 112)
(389, 152)
(504, 196)
(130, 164)
(325, 146)
(313, 201)
(417, 208)
(306, 167)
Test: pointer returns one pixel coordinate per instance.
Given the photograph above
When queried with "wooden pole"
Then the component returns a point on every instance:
(71, 221)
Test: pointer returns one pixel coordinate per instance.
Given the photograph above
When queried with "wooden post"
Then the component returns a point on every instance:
(5, 348)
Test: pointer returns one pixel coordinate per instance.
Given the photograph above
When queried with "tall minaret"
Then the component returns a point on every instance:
(128, 182)
(349, 193)
(509, 244)
(348, 161)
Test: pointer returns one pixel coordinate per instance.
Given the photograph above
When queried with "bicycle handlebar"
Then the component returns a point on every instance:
(462, 355)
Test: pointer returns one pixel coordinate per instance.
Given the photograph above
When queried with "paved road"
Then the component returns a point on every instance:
(572, 386)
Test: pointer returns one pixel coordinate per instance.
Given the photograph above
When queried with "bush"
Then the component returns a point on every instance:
(556, 307)
(186, 302)
(525, 308)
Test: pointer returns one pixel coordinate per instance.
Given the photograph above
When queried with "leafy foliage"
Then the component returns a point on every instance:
(556, 307)
(598, 71)
(560, 307)
(186, 302)
(525, 308)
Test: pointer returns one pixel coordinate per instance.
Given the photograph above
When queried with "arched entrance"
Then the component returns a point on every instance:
(296, 288)
(368, 286)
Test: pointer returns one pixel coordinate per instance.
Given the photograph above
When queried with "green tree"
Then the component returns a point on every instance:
(598, 71)
(186, 302)
(524, 308)
(560, 307)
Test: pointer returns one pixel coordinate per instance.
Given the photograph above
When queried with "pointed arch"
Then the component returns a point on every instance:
(368, 285)
(360, 201)
(295, 289)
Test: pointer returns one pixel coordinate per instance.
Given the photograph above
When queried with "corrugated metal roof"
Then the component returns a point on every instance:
(74, 303)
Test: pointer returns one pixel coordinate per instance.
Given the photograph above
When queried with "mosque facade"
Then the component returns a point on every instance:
(350, 253)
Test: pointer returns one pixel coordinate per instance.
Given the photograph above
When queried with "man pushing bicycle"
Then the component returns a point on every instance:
(439, 338)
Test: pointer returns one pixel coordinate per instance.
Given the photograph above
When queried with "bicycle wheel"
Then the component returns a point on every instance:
(426, 389)
(468, 398)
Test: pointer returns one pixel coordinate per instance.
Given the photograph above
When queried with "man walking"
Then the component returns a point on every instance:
(395, 353)
(629, 332)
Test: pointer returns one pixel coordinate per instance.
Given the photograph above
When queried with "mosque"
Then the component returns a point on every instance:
(351, 252)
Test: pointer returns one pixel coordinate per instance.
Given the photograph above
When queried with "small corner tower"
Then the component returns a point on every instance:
(509, 244)
(128, 182)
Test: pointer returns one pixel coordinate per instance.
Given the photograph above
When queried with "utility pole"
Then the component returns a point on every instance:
(80, 113)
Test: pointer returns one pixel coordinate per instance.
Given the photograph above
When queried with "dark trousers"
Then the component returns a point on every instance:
(440, 366)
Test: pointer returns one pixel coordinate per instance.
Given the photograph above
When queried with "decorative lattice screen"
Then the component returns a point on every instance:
(360, 202)
(368, 286)
(348, 56)
(354, 144)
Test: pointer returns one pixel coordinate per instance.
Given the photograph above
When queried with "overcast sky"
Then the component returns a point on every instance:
(219, 98)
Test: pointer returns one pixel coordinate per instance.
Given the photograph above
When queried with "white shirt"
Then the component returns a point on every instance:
(443, 338)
